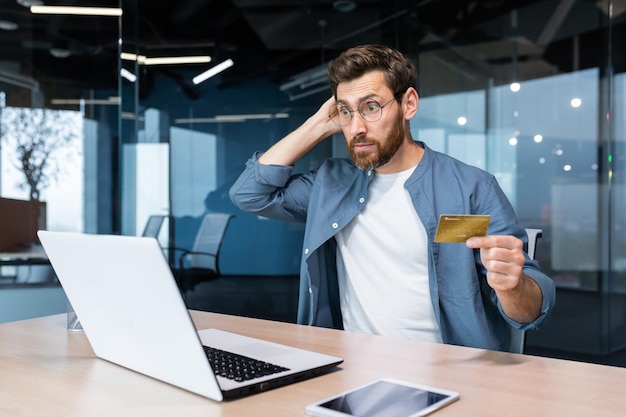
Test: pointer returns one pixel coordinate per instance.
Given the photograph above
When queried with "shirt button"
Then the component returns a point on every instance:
(369, 173)
(361, 200)
(310, 290)
(306, 251)
(335, 225)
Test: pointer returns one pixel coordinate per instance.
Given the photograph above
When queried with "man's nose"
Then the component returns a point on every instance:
(357, 125)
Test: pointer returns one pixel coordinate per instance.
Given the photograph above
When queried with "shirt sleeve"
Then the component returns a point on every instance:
(272, 191)
(504, 221)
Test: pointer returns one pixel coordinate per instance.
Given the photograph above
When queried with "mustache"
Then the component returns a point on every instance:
(359, 140)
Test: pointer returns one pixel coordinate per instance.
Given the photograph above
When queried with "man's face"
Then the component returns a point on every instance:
(381, 151)
(371, 144)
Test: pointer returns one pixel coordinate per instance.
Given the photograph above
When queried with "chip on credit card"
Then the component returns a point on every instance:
(460, 227)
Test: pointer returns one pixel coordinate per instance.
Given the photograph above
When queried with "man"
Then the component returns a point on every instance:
(369, 261)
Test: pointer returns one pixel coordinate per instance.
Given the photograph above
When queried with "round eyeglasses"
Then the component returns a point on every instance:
(369, 109)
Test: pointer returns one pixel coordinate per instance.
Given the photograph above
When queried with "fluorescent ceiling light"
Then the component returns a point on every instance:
(126, 115)
(213, 71)
(165, 60)
(128, 75)
(111, 101)
(87, 11)
(234, 118)
(127, 56)
(60, 52)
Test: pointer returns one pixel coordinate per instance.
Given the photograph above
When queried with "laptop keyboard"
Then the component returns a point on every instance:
(237, 367)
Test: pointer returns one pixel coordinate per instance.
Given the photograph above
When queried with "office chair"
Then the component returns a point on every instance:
(201, 263)
(518, 337)
(153, 225)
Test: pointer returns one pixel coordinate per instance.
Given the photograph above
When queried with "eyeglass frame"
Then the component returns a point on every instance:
(394, 98)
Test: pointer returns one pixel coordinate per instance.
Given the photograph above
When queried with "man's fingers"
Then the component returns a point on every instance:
(495, 241)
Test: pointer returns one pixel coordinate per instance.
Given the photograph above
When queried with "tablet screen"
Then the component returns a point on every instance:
(384, 398)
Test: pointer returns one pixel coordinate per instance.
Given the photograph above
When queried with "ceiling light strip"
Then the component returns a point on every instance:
(111, 101)
(165, 60)
(232, 118)
(127, 56)
(213, 71)
(128, 75)
(169, 60)
(85, 11)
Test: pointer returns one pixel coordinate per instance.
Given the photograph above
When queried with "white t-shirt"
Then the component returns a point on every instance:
(382, 264)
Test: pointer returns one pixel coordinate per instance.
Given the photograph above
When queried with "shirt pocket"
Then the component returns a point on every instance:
(457, 277)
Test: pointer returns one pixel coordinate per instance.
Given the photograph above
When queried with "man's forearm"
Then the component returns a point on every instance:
(298, 143)
(522, 304)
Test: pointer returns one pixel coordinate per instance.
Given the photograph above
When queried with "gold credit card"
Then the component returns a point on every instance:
(460, 227)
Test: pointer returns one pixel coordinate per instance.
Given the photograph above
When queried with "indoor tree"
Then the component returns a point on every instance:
(38, 143)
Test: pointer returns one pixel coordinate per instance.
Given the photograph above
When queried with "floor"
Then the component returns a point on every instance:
(276, 298)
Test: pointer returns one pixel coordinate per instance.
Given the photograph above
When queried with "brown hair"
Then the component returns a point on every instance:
(400, 74)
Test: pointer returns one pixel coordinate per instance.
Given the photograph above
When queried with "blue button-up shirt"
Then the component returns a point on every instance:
(327, 199)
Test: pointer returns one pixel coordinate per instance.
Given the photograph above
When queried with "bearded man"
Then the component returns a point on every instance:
(370, 262)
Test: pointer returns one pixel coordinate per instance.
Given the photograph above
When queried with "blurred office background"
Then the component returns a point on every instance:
(532, 91)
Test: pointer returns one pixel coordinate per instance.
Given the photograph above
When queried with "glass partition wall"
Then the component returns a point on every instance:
(531, 91)
(59, 104)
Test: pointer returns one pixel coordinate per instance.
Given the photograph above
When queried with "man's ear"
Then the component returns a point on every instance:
(410, 103)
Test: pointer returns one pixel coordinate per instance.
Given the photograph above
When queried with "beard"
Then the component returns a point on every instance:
(384, 150)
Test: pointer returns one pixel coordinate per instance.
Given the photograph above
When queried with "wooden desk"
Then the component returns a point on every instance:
(47, 371)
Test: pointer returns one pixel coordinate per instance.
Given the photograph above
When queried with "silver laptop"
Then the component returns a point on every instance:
(131, 310)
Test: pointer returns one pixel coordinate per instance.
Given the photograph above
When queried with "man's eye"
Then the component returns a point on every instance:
(344, 112)
(372, 107)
